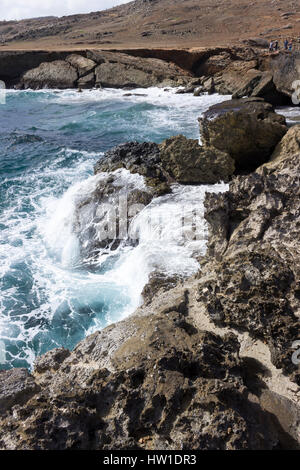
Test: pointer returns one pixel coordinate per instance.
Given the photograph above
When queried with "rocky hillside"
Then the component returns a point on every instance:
(154, 23)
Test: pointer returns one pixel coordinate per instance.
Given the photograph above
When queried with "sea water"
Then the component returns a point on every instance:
(49, 143)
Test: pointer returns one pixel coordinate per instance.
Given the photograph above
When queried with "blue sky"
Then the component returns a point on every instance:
(19, 9)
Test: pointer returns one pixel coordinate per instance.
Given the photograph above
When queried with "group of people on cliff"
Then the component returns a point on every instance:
(287, 44)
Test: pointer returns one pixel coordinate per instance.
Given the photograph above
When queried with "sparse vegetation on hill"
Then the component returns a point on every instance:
(153, 23)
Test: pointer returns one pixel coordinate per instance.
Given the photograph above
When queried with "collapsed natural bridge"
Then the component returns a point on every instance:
(240, 70)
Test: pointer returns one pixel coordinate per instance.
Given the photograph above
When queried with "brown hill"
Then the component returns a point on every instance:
(158, 23)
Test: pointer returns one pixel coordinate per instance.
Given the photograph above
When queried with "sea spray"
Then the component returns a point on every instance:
(49, 296)
(170, 232)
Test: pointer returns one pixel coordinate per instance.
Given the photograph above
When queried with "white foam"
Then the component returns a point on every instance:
(22, 244)
(57, 228)
(171, 234)
(166, 112)
(43, 241)
(292, 114)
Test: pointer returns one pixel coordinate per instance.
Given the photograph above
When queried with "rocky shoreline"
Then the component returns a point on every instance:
(240, 71)
(206, 362)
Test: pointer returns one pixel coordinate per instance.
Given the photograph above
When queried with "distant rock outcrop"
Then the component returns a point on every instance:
(57, 74)
(238, 71)
(242, 78)
(105, 69)
(119, 70)
(285, 69)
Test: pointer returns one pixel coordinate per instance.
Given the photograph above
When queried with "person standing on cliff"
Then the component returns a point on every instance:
(286, 44)
(291, 45)
(271, 46)
(276, 45)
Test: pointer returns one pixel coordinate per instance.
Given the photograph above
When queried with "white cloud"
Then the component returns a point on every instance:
(19, 9)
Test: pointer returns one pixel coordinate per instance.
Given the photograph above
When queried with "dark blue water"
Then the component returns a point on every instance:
(49, 142)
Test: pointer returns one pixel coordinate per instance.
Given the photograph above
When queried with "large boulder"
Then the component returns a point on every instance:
(247, 84)
(119, 75)
(83, 65)
(247, 129)
(266, 89)
(259, 85)
(189, 163)
(57, 74)
(236, 75)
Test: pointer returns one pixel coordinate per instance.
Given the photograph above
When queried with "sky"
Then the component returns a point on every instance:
(20, 9)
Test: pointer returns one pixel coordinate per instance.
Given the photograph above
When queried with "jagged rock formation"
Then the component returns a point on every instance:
(16, 386)
(152, 381)
(252, 280)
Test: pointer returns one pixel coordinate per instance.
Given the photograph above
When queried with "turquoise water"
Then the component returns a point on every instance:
(49, 142)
